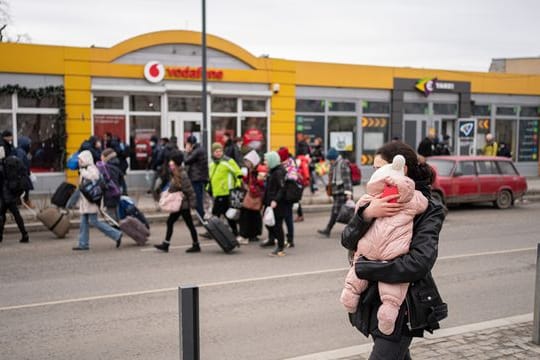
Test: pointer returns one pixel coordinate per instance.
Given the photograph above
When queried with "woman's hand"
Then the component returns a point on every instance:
(381, 207)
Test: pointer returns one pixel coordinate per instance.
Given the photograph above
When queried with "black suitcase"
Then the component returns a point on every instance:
(220, 233)
(62, 194)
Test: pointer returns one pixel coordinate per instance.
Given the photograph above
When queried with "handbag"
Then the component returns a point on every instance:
(170, 201)
(252, 202)
(92, 190)
(237, 196)
(346, 212)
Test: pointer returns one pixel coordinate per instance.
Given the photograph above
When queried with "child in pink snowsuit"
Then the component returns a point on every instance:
(388, 238)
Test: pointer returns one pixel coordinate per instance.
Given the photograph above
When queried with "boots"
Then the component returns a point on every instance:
(164, 246)
(290, 241)
(24, 239)
(195, 248)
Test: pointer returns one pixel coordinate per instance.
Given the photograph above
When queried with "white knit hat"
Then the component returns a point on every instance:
(396, 168)
(253, 157)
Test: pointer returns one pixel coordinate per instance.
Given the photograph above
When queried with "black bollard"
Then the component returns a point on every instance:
(188, 306)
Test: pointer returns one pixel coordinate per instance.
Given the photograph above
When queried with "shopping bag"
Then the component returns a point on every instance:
(268, 218)
(346, 212)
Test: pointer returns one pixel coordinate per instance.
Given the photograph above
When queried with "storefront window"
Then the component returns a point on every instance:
(108, 102)
(445, 109)
(185, 104)
(483, 127)
(253, 105)
(32, 102)
(141, 129)
(507, 110)
(415, 108)
(5, 122)
(114, 124)
(45, 149)
(375, 132)
(222, 125)
(144, 103)
(254, 130)
(310, 125)
(375, 107)
(505, 132)
(335, 106)
(528, 140)
(481, 110)
(224, 104)
(341, 135)
(5, 101)
(309, 105)
(530, 111)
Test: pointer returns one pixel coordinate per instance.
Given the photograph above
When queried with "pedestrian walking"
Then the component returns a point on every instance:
(225, 175)
(424, 307)
(197, 168)
(14, 176)
(88, 210)
(178, 180)
(339, 187)
(317, 160)
(274, 198)
(250, 222)
(109, 168)
(491, 147)
(23, 153)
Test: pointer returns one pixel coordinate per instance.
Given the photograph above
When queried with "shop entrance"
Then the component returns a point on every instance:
(416, 129)
(183, 125)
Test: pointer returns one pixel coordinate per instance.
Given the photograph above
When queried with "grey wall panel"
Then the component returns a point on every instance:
(30, 81)
(182, 55)
(339, 93)
(505, 99)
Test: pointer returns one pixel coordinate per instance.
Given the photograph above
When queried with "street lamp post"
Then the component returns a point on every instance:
(204, 109)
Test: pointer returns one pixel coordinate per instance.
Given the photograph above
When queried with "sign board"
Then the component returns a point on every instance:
(466, 136)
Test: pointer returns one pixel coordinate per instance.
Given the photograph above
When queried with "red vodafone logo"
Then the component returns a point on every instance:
(154, 71)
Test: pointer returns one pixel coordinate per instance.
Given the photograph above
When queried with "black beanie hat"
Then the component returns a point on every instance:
(177, 157)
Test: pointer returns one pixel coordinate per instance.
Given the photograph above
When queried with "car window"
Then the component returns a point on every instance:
(466, 168)
(443, 167)
(486, 167)
(507, 168)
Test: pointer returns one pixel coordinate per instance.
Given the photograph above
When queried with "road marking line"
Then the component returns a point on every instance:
(230, 282)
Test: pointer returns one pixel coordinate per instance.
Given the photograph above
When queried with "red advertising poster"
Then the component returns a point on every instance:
(219, 135)
(253, 138)
(115, 124)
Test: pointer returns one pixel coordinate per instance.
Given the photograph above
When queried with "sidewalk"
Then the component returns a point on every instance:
(318, 202)
(508, 338)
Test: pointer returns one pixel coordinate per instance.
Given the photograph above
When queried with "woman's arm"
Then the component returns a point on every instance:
(418, 261)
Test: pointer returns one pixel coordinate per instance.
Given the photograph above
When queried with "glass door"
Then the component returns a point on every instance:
(414, 131)
(183, 125)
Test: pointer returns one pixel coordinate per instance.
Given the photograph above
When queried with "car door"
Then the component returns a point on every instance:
(465, 183)
(489, 180)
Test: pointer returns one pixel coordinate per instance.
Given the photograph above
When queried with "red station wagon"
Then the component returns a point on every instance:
(467, 179)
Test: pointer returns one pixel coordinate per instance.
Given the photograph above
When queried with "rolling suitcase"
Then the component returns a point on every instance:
(135, 229)
(127, 207)
(55, 220)
(62, 194)
(220, 233)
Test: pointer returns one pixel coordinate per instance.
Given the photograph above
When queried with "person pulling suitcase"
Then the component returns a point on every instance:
(179, 181)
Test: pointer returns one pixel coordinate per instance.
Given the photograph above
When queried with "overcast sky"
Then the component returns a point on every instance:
(438, 34)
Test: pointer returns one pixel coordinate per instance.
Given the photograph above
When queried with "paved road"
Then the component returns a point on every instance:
(122, 304)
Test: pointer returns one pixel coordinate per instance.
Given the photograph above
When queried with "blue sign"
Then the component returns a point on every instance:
(466, 128)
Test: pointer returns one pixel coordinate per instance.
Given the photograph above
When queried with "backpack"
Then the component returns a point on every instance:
(356, 174)
(14, 175)
(111, 188)
(293, 191)
(93, 190)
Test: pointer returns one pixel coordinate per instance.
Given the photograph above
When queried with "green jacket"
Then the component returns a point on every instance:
(224, 176)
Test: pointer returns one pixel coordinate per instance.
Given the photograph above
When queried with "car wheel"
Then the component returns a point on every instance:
(504, 199)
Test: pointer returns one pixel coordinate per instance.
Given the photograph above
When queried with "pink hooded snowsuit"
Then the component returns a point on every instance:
(386, 239)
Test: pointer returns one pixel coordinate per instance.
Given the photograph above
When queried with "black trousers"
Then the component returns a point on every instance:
(388, 350)
(276, 231)
(186, 215)
(11, 206)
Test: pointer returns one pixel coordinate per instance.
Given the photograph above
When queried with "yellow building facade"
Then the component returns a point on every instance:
(150, 86)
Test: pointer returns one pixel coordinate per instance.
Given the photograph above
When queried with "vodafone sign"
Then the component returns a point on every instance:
(154, 71)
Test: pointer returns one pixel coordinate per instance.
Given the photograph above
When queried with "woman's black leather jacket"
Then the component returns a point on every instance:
(423, 306)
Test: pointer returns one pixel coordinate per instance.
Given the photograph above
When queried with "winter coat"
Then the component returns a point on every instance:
(90, 145)
(88, 171)
(317, 154)
(179, 181)
(426, 147)
(339, 179)
(424, 307)
(388, 238)
(21, 152)
(274, 190)
(224, 175)
(231, 150)
(197, 163)
(302, 148)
